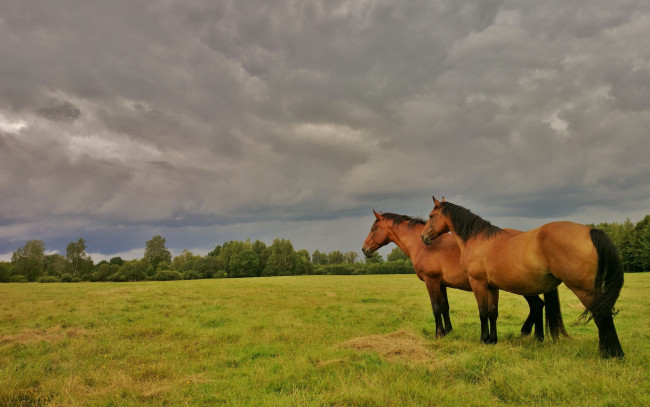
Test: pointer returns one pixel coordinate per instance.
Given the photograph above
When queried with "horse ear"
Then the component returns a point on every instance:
(443, 199)
(376, 214)
(435, 201)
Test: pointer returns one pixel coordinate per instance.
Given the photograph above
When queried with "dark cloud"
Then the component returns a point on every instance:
(209, 121)
(59, 110)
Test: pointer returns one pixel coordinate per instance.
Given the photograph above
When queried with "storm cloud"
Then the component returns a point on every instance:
(209, 121)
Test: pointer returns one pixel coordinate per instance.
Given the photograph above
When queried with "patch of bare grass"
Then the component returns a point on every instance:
(399, 345)
(52, 334)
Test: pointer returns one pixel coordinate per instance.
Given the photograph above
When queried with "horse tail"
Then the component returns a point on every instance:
(554, 322)
(609, 277)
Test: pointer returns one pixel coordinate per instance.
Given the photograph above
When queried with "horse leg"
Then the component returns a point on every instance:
(493, 313)
(445, 310)
(481, 295)
(436, 297)
(608, 342)
(535, 317)
(607, 337)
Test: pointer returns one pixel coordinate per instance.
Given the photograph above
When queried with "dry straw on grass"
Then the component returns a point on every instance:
(399, 345)
(53, 334)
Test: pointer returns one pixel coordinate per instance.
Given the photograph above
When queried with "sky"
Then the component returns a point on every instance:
(209, 121)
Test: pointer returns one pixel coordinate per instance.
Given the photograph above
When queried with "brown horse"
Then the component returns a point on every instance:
(532, 263)
(438, 266)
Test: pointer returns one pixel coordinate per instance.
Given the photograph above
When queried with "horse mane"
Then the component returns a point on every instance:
(397, 219)
(466, 224)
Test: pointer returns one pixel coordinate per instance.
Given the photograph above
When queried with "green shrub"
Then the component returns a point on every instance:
(18, 278)
(167, 275)
(191, 275)
(66, 278)
(49, 279)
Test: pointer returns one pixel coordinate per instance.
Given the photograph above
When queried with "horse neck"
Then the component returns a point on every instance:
(407, 237)
(460, 242)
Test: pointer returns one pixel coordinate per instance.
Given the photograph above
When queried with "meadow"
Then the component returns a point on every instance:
(302, 341)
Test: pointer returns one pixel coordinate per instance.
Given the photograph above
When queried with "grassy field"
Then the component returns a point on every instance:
(310, 340)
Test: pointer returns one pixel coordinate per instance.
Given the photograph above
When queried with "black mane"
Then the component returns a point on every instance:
(466, 224)
(397, 219)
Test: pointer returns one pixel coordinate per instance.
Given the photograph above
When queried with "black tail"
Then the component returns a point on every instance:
(609, 277)
(554, 322)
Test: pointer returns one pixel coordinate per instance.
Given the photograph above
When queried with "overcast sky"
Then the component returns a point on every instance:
(208, 121)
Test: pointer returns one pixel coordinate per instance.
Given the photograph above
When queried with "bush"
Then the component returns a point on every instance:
(18, 278)
(117, 277)
(49, 279)
(191, 275)
(166, 275)
(66, 278)
(391, 267)
(339, 269)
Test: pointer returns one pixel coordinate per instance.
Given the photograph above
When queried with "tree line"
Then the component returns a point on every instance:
(233, 259)
(632, 241)
(236, 259)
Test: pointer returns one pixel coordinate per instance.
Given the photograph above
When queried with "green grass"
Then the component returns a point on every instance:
(288, 341)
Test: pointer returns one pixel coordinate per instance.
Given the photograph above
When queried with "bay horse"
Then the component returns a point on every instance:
(532, 263)
(437, 265)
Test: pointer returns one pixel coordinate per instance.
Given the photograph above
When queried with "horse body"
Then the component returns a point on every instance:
(532, 263)
(439, 261)
(486, 261)
(438, 266)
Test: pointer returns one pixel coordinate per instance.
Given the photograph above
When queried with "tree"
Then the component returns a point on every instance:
(215, 252)
(259, 248)
(29, 260)
(116, 260)
(335, 257)
(104, 271)
(318, 258)
(5, 271)
(230, 249)
(245, 263)
(282, 259)
(134, 270)
(206, 266)
(642, 231)
(157, 252)
(77, 258)
(350, 257)
(375, 258)
(184, 262)
(56, 265)
(397, 254)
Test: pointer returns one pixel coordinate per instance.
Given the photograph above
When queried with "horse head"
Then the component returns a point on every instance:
(377, 237)
(437, 223)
